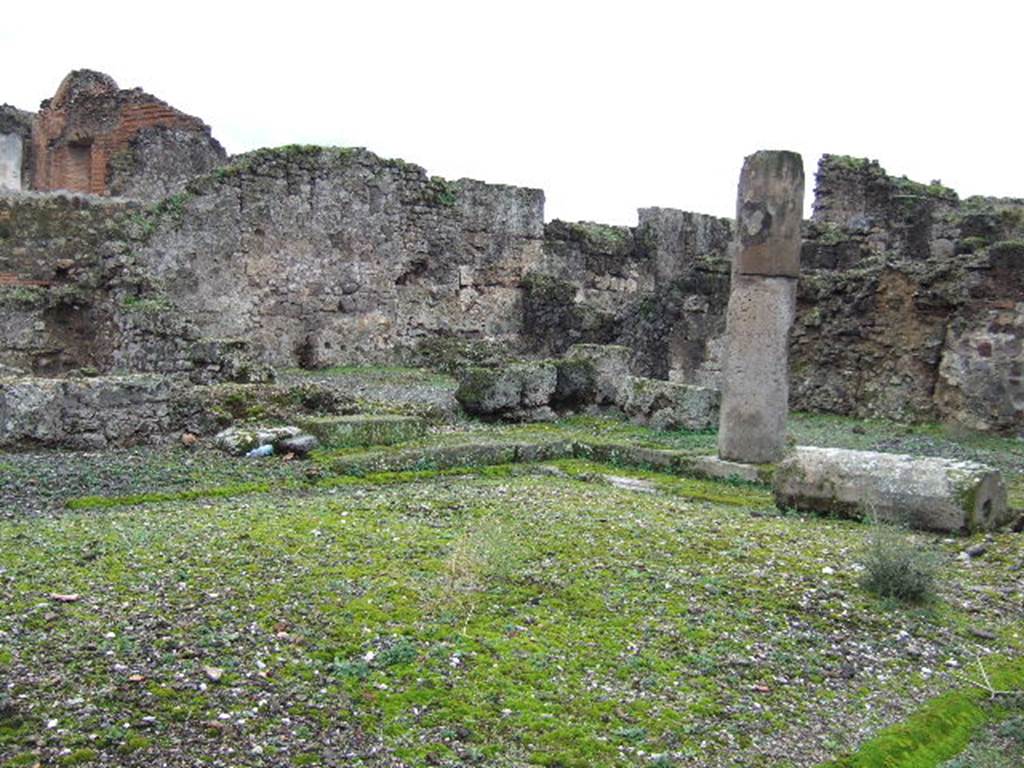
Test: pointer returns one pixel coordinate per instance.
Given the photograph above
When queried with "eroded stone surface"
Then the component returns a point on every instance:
(611, 368)
(10, 161)
(755, 379)
(94, 137)
(762, 303)
(769, 210)
(926, 493)
(518, 392)
(667, 405)
(85, 413)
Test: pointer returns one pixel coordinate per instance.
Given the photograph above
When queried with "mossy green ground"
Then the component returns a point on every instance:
(509, 616)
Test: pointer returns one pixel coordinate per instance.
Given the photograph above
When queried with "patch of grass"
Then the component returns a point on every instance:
(132, 499)
(939, 730)
(150, 305)
(523, 618)
(22, 295)
(442, 192)
(80, 756)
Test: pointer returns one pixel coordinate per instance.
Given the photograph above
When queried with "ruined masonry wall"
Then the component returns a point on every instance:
(910, 303)
(86, 139)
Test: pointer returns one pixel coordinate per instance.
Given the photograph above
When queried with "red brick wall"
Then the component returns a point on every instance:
(76, 159)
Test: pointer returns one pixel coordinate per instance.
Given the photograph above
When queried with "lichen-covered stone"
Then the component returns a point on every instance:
(666, 405)
(576, 384)
(926, 493)
(362, 429)
(87, 413)
(610, 363)
(519, 392)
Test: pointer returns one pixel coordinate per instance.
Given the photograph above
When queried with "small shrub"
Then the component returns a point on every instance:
(895, 568)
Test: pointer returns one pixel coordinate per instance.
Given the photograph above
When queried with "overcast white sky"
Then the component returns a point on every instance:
(607, 106)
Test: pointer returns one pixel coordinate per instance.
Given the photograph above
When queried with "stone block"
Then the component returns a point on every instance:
(667, 405)
(769, 212)
(520, 391)
(31, 410)
(240, 440)
(362, 430)
(576, 384)
(718, 469)
(611, 367)
(84, 413)
(925, 493)
(755, 371)
(11, 147)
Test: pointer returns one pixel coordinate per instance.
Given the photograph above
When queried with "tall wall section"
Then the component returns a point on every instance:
(911, 301)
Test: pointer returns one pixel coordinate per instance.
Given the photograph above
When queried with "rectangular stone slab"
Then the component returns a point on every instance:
(10, 162)
(926, 493)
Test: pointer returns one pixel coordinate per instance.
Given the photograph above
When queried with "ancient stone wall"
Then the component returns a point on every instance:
(73, 296)
(909, 304)
(322, 256)
(94, 137)
(15, 135)
(660, 288)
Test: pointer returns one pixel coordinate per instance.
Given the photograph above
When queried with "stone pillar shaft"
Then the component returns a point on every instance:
(762, 304)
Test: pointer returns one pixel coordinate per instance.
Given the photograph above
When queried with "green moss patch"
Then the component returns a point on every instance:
(503, 618)
(362, 430)
(941, 729)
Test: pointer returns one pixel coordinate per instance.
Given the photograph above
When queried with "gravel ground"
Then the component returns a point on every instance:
(470, 621)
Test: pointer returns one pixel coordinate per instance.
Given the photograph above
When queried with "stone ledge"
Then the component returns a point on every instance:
(362, 430)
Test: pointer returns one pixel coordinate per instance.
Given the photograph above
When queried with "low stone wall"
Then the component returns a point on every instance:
(85, 413)
(589, 377)
(119, 411)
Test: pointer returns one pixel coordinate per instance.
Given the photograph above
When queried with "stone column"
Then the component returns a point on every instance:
(762, 303)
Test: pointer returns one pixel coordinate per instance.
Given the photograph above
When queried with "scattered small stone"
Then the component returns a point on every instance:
(983, 634)
(65, 598)
(857, 429)
(188, 439)
(1018, 525)
(976, 551)
(847, 672)
(300, 445)
(214, 673)
(136, 678)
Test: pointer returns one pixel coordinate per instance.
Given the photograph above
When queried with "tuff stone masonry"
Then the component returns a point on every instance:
(161, 255)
